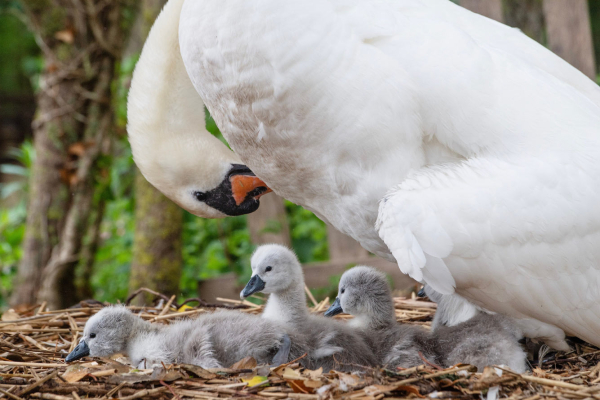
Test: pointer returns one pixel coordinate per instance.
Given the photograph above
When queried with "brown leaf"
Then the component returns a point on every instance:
(410, 389)
(376, 390)
(316, 374)
(291, 374)
(10, 315)
(130, 378)
(77, 149)
(245, 363)
(313, 384)
(299, 387)
(349, 380)
(198, 371)
(167, 376)
(75, 373)
(66, 36)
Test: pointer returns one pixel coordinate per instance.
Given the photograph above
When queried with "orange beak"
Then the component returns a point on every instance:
(241, 185)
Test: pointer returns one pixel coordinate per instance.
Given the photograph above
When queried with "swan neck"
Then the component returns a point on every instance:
(166, 117)
(288, 305)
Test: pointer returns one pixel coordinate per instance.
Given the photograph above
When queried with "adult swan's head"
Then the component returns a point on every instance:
(167, 132)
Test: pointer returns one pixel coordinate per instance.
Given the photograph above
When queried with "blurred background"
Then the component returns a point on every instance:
(78, 221)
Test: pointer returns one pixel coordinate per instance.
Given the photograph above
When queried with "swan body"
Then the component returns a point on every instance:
(481, 341)
(482, 144)
(211, 341)
(333, 344)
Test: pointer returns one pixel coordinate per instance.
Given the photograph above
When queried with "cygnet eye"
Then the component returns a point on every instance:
(343, 290)
(92, 335)
(269, 268)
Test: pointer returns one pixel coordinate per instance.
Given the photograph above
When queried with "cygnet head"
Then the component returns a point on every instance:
(275, 268)
(362, 292)
(105, 334)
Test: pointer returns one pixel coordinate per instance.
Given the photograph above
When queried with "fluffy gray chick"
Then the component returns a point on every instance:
(484, 340)
(333, 344)
(212, 340)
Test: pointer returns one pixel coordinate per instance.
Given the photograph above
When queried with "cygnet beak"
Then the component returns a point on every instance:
(335, 309)
(255, 284)
(422, 293)
(80, 351)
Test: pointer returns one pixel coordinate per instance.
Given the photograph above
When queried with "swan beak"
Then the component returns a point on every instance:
(244, 186)
(80, 351)
(422, 292)
(335, 309)
(255, 284)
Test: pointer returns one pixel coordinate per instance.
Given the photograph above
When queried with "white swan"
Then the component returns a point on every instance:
(487, 140)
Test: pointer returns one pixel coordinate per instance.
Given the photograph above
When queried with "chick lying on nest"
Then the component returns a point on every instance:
(213, 340)
(486, 339)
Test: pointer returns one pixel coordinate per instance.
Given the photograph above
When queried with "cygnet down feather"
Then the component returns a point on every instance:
(332, 344)
(486, 339)
(212, 340)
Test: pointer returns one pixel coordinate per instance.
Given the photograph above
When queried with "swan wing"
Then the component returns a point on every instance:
(523, 234)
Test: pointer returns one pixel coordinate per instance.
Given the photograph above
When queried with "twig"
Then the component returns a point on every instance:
(12, 396)
(50, 396)
(31, 364)
(39, 383)
(429, 362)
(310, 296)
(175, 395)
(140, 290)
(204, 304)
(166, 307)
(144, 393)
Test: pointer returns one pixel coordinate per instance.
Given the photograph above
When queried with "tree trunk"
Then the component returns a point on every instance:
(489, 8)
(157, 248)
(569, 33)
(80, 41)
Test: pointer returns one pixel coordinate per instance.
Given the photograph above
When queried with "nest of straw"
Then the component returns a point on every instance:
(33, 344)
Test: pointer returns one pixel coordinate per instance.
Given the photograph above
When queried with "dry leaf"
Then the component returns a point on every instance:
(198, 371)
(133, 377)
(291, 374)
(245, 363)
(66, 36)
(316, 374)
(75, 373)
(313, 384)
(77, 149)
(349, 380)
(167, 376)
(256, 380)
(376, 390)
(299, 387)
(410, 389)
(10, 315)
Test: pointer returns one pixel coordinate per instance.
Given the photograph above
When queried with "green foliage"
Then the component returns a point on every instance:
(20, 60)
(309, 234)
(12, 219)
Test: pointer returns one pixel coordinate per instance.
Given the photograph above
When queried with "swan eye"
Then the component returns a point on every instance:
(342, 291)
(269, 268)
(92, 335)
(200, 196)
